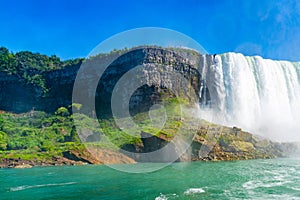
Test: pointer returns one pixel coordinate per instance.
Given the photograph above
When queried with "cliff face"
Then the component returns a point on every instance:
(16, 95)
(167, 72)
(161, 74)
(19, 96)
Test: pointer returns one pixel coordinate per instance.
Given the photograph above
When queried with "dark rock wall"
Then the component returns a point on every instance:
(165, 71)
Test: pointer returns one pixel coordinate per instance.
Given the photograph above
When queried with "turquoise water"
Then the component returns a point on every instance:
(254, 179)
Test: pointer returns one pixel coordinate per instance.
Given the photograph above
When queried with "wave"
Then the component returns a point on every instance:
(165, 197)
(250, 185)
(194, 191)
(161, 197)
(24, 187)
(189, 191)
(295, 188)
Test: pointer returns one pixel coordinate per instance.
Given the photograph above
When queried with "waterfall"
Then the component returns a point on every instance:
(259, 95)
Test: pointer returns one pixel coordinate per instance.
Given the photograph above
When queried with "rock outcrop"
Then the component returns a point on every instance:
(166, 73)
(165, 70)
(71, 157)
(211, 143)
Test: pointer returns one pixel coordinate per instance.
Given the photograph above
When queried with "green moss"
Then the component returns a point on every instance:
(38, 135)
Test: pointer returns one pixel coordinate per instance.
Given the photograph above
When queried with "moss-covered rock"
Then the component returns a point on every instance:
(238, 146)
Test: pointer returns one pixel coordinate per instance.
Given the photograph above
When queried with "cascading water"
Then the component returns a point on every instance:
(259, 95)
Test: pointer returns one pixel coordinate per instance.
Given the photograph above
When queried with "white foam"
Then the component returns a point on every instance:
(250, 185)
(258, 95)
(295, 188)
(165, 197)
(194, 191)
(161, 197)
(24, 187)
(18, 188)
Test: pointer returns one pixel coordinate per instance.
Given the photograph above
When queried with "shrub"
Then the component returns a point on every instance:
(62, 111)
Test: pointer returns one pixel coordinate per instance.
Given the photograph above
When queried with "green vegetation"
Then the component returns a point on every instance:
(42, 136)
(130, 133)
(39, 135)
(31, 67)
(36, 134)
(28, 63)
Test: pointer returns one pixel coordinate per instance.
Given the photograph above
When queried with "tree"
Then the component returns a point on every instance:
(3, 51)
(7, 60)
(62, 111)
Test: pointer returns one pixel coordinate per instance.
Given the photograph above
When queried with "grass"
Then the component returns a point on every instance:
(38, 135)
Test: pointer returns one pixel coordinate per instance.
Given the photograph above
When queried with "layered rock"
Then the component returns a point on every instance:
(164, 70)
(210, 143)
(166, 73)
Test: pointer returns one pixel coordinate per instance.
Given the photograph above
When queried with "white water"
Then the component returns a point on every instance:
(256, 94)
(24, 187)
(190, 191)
(194, 191)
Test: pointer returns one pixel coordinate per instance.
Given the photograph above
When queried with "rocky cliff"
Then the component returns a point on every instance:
(211, 142)
(159, 68)
(19, 96)
(163, 74)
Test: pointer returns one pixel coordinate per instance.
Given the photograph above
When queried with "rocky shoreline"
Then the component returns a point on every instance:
(69, 158)
(20, 163)
(232, 144)
(62, 161)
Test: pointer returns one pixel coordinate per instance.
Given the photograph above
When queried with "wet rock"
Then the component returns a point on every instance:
(22, 166)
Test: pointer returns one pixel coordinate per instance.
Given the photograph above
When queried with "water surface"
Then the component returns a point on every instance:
(252, 179)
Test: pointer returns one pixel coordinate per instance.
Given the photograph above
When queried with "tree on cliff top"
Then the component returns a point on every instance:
(7, 61)
(30, 66)
(31, 62)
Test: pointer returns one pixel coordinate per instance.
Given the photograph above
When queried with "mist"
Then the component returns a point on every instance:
(259, 95)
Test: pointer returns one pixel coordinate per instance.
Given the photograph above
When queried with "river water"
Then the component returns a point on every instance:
(250, 179)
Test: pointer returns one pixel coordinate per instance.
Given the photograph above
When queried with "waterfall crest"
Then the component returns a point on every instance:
(259, 95)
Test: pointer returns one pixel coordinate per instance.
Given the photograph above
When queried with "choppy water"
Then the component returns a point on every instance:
(254, 179)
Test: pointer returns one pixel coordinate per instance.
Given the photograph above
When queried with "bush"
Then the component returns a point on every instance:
(62, 111)
(3, 140)
(77, 106)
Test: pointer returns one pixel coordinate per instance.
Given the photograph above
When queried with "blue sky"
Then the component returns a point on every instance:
(72, 29)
